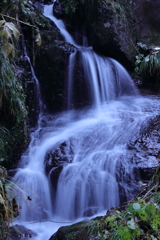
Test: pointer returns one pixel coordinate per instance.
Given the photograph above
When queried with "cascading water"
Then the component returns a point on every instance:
(95, 168)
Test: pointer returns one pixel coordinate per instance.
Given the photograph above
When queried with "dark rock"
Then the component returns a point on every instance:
(38, 6)
(55, 159)
(63, 153)
(147, 21)
(58, 10)
(112, 31)
(24, 72)
(89, 212)
(145, 149)
(51, 66)
(20, 232)
(76, 231)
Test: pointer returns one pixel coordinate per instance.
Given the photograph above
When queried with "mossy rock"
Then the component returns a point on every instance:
(78, 231)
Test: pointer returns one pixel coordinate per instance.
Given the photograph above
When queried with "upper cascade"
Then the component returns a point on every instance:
(105, 78)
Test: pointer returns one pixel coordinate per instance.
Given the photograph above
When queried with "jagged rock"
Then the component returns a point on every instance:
(20, 232)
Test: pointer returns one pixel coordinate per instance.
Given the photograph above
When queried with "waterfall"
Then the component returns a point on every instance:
(91, 143)
(72, 59)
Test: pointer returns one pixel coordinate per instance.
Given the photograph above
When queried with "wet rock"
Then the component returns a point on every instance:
(58, 10)
(89, 212)
(76, 231)
(20, 232)
(38, 6)
(24, 72)
(51, 66)
(63, 153)
(145, 150)
(112, 31)
(55, 159)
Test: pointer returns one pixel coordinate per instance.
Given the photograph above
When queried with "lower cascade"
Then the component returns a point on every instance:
(76, 165)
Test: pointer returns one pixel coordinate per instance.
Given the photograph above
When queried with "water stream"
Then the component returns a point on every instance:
(91, 142)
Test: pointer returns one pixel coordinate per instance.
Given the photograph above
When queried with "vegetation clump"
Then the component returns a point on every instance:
(8, 206)
(16, 18)
(13, 112)
(147, 65)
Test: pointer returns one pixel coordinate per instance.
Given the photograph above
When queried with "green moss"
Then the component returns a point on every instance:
(82, 230)
(147, 65)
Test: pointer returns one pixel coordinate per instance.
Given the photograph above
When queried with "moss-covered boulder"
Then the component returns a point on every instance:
(78, 231)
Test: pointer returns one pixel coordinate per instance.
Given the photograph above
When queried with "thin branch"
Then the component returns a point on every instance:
(3, 15)
(150, 190)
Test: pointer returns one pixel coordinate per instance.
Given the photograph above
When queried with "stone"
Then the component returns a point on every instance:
(20, 232)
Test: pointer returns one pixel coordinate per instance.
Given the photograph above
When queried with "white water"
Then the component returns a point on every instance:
(98, 136)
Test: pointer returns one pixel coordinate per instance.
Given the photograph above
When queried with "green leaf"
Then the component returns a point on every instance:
(4, 34)
(7, 49)
(137, 62)
(147, 58)
(131, 224)
(125, 234)
(142, 214)
(12, 27)
(8, 31)
(1, 22)
(136, 206)
(38, 39)
(150, 209)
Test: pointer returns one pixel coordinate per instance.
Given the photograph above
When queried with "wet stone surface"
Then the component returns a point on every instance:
(146, 149)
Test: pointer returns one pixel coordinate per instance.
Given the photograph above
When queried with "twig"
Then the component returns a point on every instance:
(150, 190)
(3, 15)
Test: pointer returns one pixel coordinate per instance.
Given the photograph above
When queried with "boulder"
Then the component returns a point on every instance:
(78, 231)
(20, 232)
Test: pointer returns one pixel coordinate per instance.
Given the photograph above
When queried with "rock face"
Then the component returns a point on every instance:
(112, 27)
(147, 23)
